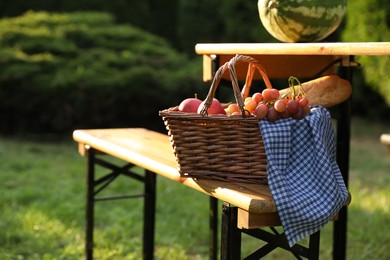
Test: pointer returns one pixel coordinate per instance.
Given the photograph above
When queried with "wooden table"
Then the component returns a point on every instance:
(303, 60)
(152, 152)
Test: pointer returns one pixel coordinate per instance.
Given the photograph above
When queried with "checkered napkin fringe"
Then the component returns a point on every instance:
(303, 175)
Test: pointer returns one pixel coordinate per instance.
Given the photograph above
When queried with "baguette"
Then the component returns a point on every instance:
(326, 91)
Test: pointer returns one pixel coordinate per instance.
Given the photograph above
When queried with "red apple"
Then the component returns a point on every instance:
(215, 108)
(190, 105)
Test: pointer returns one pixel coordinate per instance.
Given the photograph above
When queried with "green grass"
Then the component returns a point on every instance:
(42, 187)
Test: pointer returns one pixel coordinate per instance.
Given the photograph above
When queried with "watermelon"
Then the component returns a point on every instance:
(301, 20)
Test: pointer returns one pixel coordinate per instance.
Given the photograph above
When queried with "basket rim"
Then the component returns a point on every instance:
(168, 113)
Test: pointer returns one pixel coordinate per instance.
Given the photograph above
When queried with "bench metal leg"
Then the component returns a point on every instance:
(231, 240)
(314, 246)
(90, 204)
(149, 215)
(231, 235)
(95, 186)
(213, 240)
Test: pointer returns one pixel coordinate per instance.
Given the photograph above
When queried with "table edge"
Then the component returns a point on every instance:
(323, 48)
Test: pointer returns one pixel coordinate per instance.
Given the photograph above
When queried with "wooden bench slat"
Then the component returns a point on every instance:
(144, 148)
(251, 197)
(152, 151)
(385, 139)
(249, 220)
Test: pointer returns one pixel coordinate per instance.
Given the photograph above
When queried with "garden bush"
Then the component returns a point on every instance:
(74, 70)
(369, 21)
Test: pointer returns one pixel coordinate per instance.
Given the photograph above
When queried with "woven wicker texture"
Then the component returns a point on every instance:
(220, 147)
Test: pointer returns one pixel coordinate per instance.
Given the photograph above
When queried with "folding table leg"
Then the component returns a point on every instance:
(231, 235)
(342, 156)
(90, 204)
(149, 215)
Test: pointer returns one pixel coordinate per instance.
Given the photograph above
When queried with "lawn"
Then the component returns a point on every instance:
(42, 206)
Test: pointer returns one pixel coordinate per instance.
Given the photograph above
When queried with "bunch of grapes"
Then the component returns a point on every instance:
(271, 105)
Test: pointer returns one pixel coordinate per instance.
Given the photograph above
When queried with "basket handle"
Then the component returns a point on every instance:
(252, 66)
(239, 96)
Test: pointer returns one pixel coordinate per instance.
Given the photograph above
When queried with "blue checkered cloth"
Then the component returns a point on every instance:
(303, 175)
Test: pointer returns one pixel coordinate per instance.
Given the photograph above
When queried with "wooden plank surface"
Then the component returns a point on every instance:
(152, 151)
(385, 139)
(147, 149)
(256, 220)
(334, 48)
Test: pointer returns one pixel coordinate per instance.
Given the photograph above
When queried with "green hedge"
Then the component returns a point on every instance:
(369, 21)
(73, 70)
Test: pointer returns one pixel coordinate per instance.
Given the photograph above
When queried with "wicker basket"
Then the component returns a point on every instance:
(219, 147)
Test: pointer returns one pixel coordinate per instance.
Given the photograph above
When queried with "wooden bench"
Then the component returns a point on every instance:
(385, 139)
(246, 206)
(152, 151)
